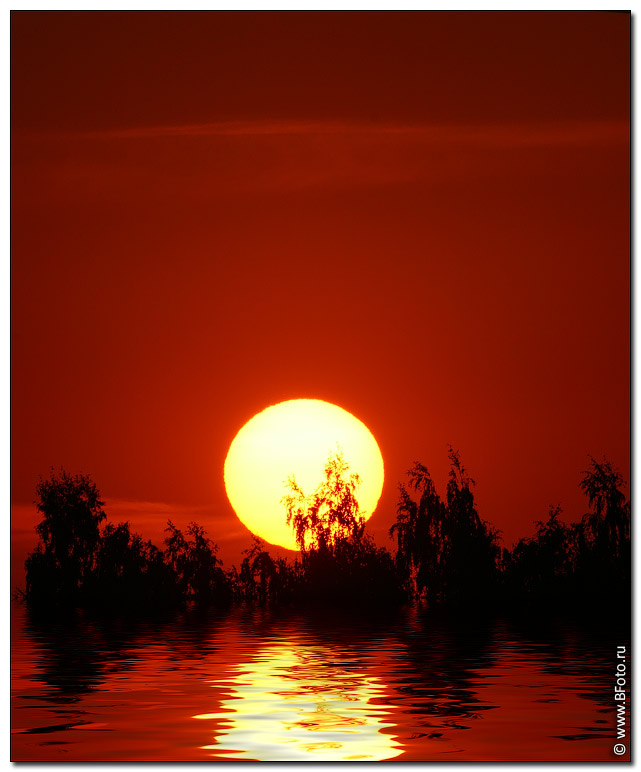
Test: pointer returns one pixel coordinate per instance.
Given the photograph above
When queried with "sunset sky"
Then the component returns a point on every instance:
(422, 217)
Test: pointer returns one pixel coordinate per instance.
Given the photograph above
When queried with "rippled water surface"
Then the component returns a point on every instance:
(253, 685)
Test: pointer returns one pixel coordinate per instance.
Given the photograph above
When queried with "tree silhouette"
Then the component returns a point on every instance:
(265, 579)
(339, 561)
(330, 514)
(69, 534)
(587, 563)
(540, 568)
(603, 536)
(131, 572)
(195, 563)
(445, 553)
(470, 570)
(257, 572)
(420, 534)
(608, 522)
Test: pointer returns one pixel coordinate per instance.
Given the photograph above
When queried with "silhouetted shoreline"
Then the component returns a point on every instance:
(447, 559)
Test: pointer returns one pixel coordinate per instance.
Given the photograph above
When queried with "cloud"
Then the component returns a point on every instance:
(146, 507)
(203, 162)
(143, 516)
(513, 134)
(149, 518)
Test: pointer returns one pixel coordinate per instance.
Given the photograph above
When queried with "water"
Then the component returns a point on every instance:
(255, 685)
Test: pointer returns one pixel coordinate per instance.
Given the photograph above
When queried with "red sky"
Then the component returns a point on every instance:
(422, 217)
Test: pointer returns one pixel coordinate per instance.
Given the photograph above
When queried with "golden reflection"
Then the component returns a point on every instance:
(295, 703)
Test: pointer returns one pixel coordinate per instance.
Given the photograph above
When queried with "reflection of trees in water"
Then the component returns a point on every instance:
(427, 668)
(322, 683)
(441, 659)
(427, 655)
(68, 663)
(75, 654)
(446, 664)
(432, 670)
(583, 648)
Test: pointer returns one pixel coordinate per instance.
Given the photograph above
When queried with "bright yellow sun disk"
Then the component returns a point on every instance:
(296, 438)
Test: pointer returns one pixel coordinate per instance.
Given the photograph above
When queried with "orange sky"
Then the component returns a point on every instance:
(422, 217)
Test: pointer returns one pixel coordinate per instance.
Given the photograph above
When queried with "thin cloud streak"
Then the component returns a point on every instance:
(207, 161)
(150, 507)
(155, 514)
(514, 134)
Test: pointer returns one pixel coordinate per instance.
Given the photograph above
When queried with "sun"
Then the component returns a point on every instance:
(296, 438)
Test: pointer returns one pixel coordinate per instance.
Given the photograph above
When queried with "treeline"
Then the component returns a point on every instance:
(81, 562)
(445, 554)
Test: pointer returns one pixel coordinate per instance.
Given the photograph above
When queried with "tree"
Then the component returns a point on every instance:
(194, 560)
(69, 534)
(263, 578)
(608, 522)
(339, 561)
(131, 572)
(445, 552)
(540, 568)
(420, 534)
(257, 572)
(472, 545)
(330, 514)
(587, 563)
(603, 535)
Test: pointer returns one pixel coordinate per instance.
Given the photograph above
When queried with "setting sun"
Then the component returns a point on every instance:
(295, 439)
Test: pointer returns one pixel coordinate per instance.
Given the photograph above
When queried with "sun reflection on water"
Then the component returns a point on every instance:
(295, 703)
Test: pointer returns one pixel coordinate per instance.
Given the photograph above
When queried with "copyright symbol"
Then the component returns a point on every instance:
(619, 749)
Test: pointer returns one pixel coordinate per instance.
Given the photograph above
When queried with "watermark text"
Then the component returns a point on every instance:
(620, 701)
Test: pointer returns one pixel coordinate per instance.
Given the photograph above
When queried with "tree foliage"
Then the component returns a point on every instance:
(194, 560)
(330, 515)
(420, 531)
(587, 563)
(77, 564)
(339, 562)
(131, 572)
(603, 549)
(606, 525)
(445, 553)
(263, 578)
(541, 567)
(69, 533)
